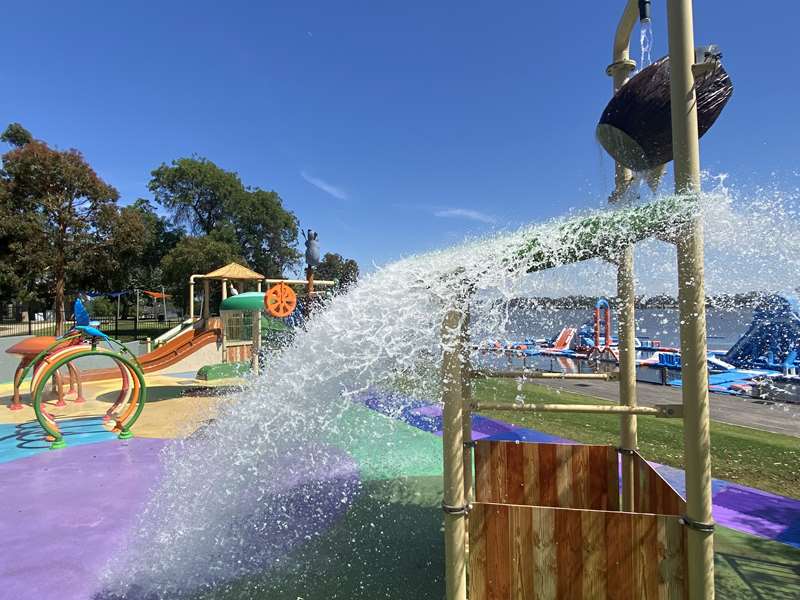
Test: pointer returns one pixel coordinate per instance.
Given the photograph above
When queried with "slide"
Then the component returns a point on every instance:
(169, 354)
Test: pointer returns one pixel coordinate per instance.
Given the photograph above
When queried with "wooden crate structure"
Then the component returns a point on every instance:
(546, 525)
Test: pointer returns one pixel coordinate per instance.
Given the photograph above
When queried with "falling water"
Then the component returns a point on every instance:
(645, 43)
(263, 480)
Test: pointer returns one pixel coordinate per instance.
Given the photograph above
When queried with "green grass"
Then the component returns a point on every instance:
(767, 461)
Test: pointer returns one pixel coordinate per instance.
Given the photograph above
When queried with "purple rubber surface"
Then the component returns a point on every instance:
(66, 512)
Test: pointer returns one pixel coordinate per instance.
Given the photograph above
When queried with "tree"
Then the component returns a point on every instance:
(334, 266)
(209, 200)
(195, 255)
(57, 198)
(266, 232)
(16, 135)
(195, 191)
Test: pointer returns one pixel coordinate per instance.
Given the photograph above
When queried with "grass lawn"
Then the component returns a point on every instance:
(767, 461)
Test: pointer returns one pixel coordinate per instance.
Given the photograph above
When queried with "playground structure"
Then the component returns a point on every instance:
(56, 354)
(521, 539)
(279, 301)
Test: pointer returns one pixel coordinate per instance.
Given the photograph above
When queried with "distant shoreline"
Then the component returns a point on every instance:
(749, 300)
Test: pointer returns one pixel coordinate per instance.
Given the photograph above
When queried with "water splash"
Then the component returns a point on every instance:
(645, 43)
(271, 473)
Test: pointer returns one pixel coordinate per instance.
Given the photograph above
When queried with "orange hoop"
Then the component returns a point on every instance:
(280, 300)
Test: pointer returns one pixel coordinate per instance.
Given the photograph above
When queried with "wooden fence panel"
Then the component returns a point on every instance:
(653, 494)
(558, 475)
(545, 553)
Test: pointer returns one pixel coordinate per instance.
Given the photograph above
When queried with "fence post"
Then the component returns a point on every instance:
(30, 320)
(454, 503)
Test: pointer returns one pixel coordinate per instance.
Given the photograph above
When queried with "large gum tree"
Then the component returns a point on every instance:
(55, 198)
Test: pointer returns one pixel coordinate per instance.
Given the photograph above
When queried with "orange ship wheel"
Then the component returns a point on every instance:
(280, 300)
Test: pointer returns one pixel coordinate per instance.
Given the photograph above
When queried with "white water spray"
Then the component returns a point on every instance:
(645, 43)
(261, 480)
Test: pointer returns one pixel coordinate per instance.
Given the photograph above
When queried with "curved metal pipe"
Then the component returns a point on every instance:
(622, 38)
(644, 10)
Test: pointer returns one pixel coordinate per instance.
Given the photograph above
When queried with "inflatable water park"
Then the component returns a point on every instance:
(383, 435)
(762, 363)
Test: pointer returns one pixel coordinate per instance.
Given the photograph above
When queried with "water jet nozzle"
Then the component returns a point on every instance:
(644, 11)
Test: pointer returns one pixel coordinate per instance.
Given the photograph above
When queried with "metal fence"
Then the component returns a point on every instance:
(124, 329)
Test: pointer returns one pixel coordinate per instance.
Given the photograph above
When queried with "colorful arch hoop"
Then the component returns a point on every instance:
(48, 365)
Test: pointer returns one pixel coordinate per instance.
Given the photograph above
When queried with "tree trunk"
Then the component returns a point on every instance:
(59, 302)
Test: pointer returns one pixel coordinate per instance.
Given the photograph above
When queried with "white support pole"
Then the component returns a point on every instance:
(191, 299)
(256, 349)
(691, 295)
(206, 300)
(454, 502)
(619, 70)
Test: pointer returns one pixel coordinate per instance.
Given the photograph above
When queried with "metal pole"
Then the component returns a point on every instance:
(191, 299)
(626, 325)
(512, 374)
(570, 408)
(206, 300)
(691, 296)
(619, 70)
(136, 318)
(164, 300)
(256, 349)
(466, 398)
(454, 502)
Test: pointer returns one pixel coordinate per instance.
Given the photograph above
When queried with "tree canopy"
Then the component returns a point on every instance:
(63, 232)
(195, 191)
(209, 200)
(56, 200)
(16, 135)
(334, 266)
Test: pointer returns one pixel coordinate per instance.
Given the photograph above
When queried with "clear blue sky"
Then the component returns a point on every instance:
(389, 127)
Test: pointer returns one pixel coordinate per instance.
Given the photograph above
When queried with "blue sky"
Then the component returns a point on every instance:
(391, 128)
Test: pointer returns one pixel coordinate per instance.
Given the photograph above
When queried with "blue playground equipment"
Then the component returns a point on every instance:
(773, 338)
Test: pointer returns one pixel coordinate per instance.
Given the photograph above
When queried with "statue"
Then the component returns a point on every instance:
(312, 248)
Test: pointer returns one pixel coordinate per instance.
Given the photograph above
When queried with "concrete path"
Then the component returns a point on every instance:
(735, 410)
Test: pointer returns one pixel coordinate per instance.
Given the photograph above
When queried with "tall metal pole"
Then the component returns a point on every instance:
(691, 295)
(466, 397)
(619, 70)
(454, 502)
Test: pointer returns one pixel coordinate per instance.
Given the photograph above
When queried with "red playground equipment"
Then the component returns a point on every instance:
(602, 307)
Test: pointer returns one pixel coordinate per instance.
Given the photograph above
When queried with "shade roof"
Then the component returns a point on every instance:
(233, 271)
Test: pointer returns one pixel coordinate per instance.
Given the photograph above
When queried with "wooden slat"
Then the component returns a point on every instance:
(618, 556)
(477, 552)
(498, 576)
(569, 554)
(499, 492)
(612, 474)
(522, 564)
(599, 490)
(563, 476)
(653, 494)
(548, 467)
(515, 473)
(483, 472)
(580, 477)
(530, 459)
(544, 554)
(593, 541)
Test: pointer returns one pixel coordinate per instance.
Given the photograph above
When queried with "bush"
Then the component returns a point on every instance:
(101, 307)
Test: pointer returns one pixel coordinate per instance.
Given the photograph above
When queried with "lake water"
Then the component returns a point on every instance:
(724, 326)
